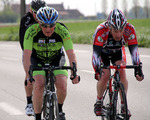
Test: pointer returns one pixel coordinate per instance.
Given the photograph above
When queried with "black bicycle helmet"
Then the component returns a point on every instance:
(37, 4)
(116, 19)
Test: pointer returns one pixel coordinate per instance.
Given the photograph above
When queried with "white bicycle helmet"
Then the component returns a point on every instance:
(116, 19)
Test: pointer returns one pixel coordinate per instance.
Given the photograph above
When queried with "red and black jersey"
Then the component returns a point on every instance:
(26, 21)
(104, 42)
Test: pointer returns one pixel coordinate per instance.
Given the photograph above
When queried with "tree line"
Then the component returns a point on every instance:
(8, 15)
(135, 12)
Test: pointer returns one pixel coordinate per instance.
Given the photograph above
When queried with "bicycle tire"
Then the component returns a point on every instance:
(116, 106)
(45, 109)
(106, 106)
(107, 102)
(53, 111)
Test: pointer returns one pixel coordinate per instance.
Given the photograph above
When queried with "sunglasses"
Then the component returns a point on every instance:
(47, 25)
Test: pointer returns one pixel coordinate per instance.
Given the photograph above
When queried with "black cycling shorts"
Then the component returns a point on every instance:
(58, 61)
(113, 57)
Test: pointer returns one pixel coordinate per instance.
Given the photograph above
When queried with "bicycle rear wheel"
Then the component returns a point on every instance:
(117, 113)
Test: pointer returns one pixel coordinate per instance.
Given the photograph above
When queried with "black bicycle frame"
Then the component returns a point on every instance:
(50, 83)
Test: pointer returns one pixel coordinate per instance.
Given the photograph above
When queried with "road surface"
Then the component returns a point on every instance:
(81, 97)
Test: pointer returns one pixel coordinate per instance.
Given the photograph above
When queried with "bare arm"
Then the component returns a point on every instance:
(72, 58)
(26, 61)
(136, 60)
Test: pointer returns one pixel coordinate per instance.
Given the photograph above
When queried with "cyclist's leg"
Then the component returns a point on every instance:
(101, 85)
(28, 86)
(102, 82)
(38, 89)
(61, 85)
(61, 79)
(28, 89)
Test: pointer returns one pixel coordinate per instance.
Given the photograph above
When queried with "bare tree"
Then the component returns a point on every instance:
(147, 2)
(125, 7)
(6, 3)
(135, 3)
(22, 7)
(104, 7)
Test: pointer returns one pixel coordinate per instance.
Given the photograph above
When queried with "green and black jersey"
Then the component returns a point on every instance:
(47, 49)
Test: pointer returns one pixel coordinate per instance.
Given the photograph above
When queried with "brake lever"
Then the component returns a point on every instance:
(101, 69)
(31, 73)
(140, 67)
(30, 76)
(74, 70)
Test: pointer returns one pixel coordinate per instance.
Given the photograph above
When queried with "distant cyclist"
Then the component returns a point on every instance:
(44, 42)
(109, 45)
(28, 19)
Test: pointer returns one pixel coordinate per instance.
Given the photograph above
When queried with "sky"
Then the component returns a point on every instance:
(88, 7)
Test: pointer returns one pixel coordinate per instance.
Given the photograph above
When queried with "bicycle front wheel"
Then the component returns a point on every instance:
(50, 109)
(107, 96)
(106, 105)
(53, 111)
(119, 113)
(45, 108)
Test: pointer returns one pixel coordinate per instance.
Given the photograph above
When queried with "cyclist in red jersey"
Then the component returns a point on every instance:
(109, 46)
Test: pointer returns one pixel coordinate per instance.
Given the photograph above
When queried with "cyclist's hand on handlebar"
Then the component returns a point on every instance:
(74, 77)
(76, 80)
(99, 71)
(139, 73)
(97, 76)
(28, 82)
(139, 78)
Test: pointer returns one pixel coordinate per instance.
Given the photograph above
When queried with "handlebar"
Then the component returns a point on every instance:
(120, 66)
(47, 67)
(138, 68)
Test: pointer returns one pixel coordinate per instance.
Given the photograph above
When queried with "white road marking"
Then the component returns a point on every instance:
(10, 109)
(88, 71)
(11, 59)
(82, 51)
(7, 45)
(86, 51)
(145, 56)
(78, 51)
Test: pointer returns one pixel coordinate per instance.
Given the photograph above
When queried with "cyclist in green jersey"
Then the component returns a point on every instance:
(44, 42)
(28, 19)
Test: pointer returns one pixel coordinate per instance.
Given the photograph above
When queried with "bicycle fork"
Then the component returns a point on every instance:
(107, 107)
